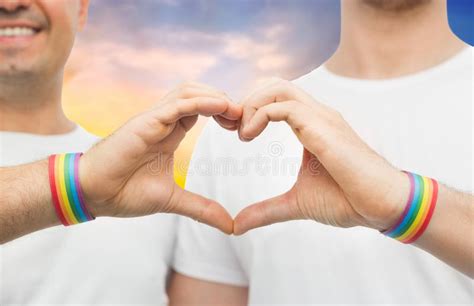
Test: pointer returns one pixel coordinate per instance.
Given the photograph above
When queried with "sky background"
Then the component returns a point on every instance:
(133, 51)
(461, 19)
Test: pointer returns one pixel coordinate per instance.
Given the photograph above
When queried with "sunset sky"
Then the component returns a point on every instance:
(133, 51)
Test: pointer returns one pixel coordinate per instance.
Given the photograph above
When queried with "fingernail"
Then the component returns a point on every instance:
(245, 139)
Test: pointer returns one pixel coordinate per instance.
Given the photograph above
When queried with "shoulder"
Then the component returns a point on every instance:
(458, 66)
(465, 60)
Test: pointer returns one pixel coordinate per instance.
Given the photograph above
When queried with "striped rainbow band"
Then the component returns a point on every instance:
(418, 211)
(66, 190)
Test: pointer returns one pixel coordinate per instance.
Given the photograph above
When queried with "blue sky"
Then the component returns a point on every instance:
(302, 34)
(461, 19)
(133, 51)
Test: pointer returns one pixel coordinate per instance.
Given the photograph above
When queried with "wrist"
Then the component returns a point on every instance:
(66, 192)
(95, 205)
(418, 210)
(395, 201)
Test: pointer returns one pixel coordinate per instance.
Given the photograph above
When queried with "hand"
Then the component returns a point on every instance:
(342, 182)
(130, 173)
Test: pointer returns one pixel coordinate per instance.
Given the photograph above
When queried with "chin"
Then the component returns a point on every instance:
(16, 69)
(396, 5)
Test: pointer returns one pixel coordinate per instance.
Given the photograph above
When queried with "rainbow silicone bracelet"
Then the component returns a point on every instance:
(418, 210)
(66, 191)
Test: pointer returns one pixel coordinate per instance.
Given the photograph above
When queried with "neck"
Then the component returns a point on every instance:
(32, 106)
(379, 44)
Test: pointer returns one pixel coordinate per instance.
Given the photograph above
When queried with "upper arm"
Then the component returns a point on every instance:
(184, 290)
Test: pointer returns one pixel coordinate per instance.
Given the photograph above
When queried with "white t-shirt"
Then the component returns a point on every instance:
(421, 123)
(106, 261)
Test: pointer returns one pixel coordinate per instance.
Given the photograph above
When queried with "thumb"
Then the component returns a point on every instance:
(278, 209)
(201, 209)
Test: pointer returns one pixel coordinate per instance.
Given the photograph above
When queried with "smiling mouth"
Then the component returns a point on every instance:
(13, 32)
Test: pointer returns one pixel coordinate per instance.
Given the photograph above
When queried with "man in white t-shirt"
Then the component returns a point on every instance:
(403, 81)
(106, 261)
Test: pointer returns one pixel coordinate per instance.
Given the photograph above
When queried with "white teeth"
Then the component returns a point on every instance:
(16, 31)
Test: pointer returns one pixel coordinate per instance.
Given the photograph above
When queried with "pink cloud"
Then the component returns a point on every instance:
(105, 58)
(169, 60)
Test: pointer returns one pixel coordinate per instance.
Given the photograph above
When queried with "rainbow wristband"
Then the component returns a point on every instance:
(66, 190)
(418, 211)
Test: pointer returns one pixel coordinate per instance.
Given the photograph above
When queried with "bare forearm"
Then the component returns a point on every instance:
(188, 291)
(450, 233)
(25, 200)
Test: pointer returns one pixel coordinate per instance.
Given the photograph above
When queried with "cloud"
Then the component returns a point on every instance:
(130, 54)
(245, 47)
(109, 58)
(264, 50)
(167, 2)
(273, 62)
(180, 54)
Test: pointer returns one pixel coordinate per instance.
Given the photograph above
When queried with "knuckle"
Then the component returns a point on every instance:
(271, 81)
(297, 104)
(336, 117)
(185, 91)
(184, 88)
(180, 105)
(279, 82)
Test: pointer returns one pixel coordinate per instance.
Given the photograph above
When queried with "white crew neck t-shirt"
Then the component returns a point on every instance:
(105, 261)
(421, 123)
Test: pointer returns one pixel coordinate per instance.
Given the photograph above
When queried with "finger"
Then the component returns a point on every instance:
(198, 85)
(194, 92)
(202, 210)
(273, 91)
(278, 209)
(189, 90)
(206, 106)
(276, 92)
(201, 86)
(230, 125)
(233, 112)
(189, 122)
(254, 100)
(261, 86)
(289, 111)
